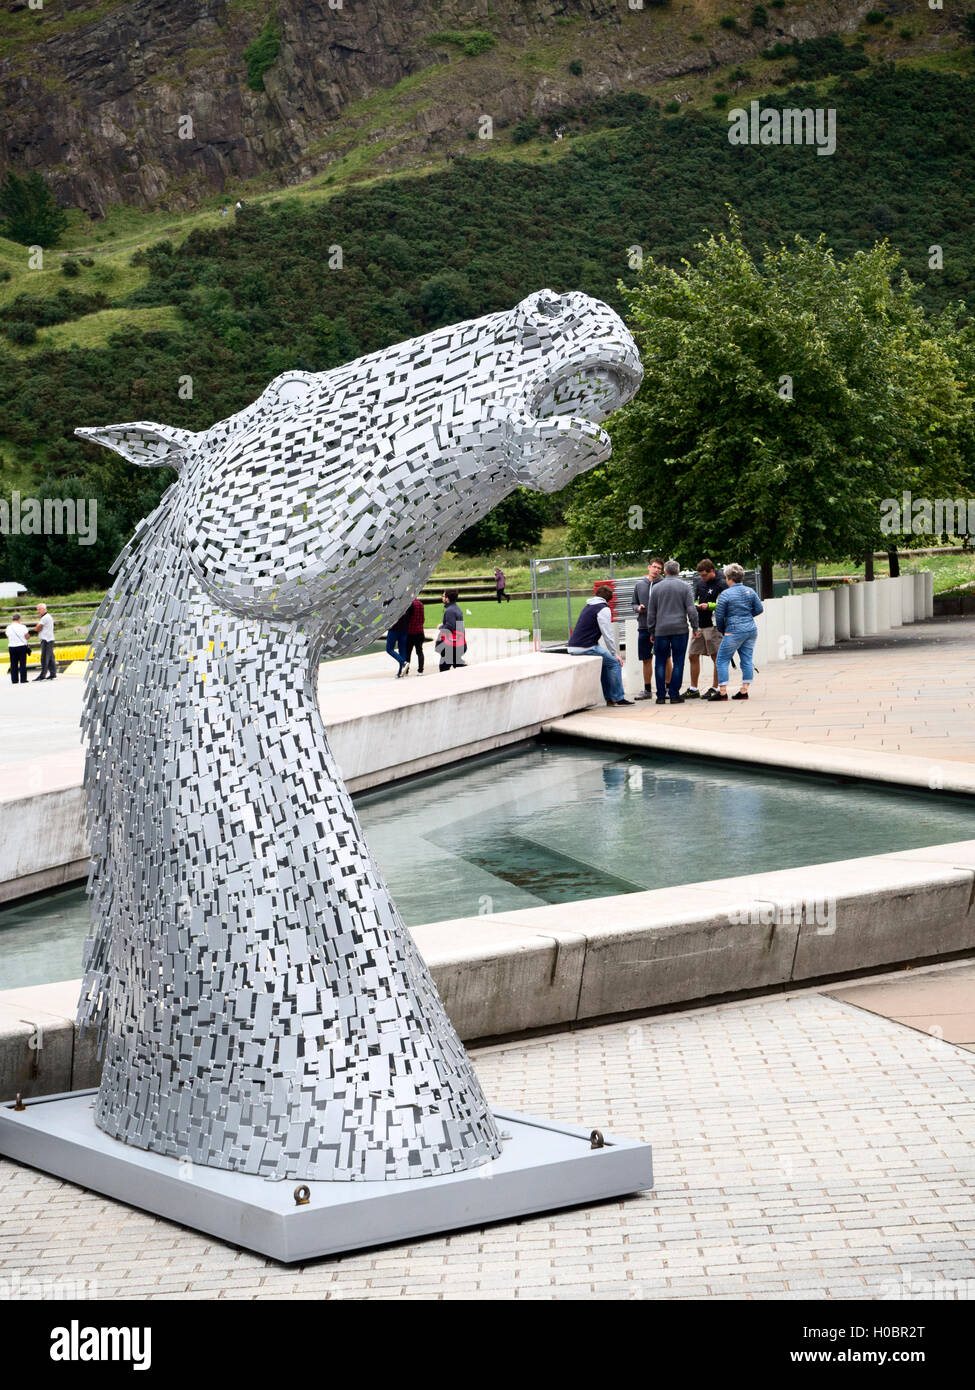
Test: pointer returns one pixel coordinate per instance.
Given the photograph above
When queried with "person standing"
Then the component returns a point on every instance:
(17, 643)
(670, 609)
(708, 587)
(45, 631)
(396, 641)
(415, 636)
(499, 583)
(595, 626)
(451, 643)
(641, 596)
(734, 618)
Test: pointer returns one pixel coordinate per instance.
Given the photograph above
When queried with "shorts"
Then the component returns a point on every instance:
(705, 643)
(644, 646)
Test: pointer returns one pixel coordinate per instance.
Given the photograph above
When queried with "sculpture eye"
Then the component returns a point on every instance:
(295, 386)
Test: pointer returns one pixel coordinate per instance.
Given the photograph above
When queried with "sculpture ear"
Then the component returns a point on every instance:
(144, 443)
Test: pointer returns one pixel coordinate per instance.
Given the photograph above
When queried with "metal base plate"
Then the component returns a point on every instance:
(543, 1166)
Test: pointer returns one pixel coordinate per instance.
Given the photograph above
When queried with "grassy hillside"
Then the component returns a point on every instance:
(233, 300)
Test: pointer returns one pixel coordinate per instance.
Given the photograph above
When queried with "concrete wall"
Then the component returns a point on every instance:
(547, 966)
(375, 739)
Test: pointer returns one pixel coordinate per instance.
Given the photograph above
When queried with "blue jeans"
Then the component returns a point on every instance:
(396, 646)
(744, 644)
(611, 676)
(675, 647)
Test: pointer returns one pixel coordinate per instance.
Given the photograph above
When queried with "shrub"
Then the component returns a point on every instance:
(721, 99)
(29, 212)
(526, 130)
(575, 67)
(728, 21)
(20, 332)
(906, 33)
(759, 17)
(671, 107)
(87, 261)
(262, 54)
(469, 41)
(874, 17)
(70, 268)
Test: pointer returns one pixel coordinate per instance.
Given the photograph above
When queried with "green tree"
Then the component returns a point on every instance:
(784, 397)
(29, 211)
(515, 524)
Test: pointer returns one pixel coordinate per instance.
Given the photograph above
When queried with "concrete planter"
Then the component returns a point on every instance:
(810, 621)
(921, 596)
(882, 591)
(792, 631)
(857, 628)
(896, 603)
(827, 617)
(841, 599)
(869, 608)
(906, 582)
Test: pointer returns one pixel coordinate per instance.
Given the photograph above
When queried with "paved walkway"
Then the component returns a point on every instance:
(908, 691)
(802, 1147)
(896, 708)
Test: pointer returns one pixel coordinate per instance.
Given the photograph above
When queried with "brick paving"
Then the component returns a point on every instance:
(803, 1148)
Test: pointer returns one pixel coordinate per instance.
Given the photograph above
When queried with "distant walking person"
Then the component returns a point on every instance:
(415, 636)
(734, 617)
(396, 641)
(17, 642)
(45, 631)
(669, 610)
(451, 643)
(593, 636)
(499, 584)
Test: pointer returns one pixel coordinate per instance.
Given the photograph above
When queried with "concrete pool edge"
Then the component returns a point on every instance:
(544, 967)
(753, 751)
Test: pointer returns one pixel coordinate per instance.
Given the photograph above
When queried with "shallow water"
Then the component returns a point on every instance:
(549, 824)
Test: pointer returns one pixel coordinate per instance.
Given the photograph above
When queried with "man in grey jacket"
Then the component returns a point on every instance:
(669, 610)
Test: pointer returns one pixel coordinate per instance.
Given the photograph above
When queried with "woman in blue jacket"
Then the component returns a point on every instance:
(734, 617)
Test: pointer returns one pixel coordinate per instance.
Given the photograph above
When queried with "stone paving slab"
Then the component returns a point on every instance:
(894, 708)
(803, 1148)
(940, 1001)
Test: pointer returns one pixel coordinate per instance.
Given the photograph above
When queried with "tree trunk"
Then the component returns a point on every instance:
(893, 560)
(868, 565)
(768, 588)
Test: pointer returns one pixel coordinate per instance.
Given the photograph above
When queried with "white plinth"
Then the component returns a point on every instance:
(856, 610)
(827, 617)
(543, 1166)
(842, 593)
(882, 591)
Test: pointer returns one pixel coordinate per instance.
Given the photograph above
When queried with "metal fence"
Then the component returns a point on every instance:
(560, 585)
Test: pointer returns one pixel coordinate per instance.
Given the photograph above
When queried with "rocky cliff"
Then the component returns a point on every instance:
(147, 102)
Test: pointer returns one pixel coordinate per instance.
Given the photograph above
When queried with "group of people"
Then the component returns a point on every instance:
(406, 636)
(715, 613)
(18, 644)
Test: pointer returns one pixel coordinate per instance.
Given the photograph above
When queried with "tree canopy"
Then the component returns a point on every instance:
(786, 393)
(29, 211)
